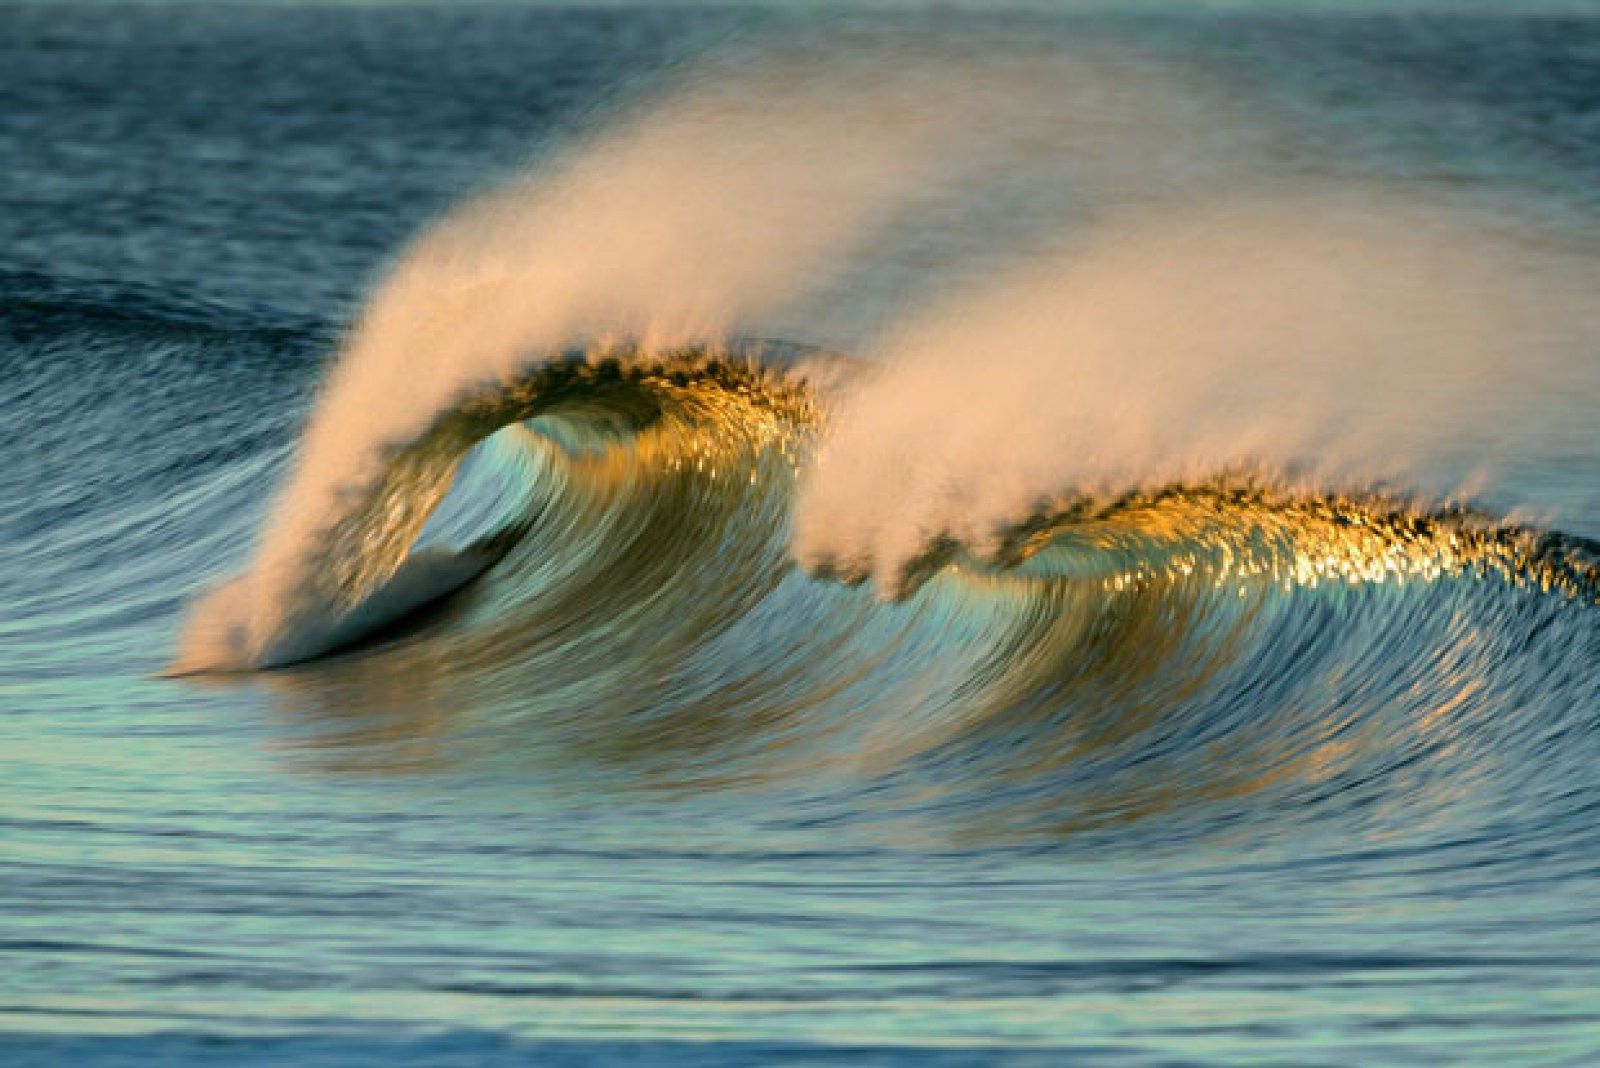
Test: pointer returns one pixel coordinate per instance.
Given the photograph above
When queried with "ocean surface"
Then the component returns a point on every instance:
(725, 536)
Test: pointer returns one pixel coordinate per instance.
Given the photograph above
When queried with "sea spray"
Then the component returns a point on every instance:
(684, 222)
(1329, 340)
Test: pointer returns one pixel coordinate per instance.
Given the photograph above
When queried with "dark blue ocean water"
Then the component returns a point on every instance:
(1313, 786)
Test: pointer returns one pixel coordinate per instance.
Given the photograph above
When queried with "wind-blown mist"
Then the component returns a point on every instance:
(687, 221)
(1332, 341)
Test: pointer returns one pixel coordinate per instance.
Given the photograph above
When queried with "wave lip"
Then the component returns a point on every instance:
(1236, 527)
(446, 506)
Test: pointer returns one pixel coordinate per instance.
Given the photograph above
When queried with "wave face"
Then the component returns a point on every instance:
(600, 551)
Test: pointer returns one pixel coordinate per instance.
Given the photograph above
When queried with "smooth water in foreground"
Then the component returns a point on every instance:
(966, 537)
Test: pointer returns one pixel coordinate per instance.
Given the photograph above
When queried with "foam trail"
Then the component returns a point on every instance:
(683, 223)
(1334, 338)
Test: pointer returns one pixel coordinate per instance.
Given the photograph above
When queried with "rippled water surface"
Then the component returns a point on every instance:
(537, 739)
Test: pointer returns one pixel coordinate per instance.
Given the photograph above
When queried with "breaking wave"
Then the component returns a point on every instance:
(602, 549)
(1157, 517)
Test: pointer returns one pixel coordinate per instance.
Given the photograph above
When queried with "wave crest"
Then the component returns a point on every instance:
(392, 550)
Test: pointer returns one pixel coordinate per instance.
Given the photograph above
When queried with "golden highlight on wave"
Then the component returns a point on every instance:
(1327, 343)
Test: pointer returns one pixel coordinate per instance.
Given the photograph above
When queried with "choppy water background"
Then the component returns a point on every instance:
(679, 801)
